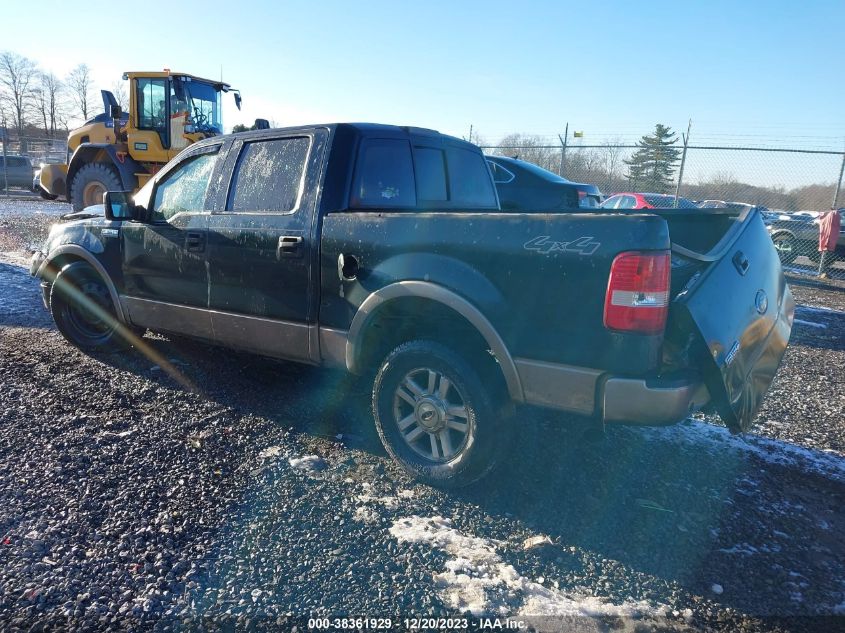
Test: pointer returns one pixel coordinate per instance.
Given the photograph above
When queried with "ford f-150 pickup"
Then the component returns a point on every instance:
(382, 250)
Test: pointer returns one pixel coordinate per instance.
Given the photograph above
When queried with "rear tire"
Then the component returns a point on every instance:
(82, 308)
(435, 417)
(91, 182)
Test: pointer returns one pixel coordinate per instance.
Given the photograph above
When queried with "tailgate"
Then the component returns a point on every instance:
(742, 309)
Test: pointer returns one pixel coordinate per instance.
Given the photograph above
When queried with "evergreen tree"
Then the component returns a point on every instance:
(652, 167)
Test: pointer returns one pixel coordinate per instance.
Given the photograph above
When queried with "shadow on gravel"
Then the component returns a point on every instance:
(313, 400)
(21, 304)
(688, 504)
(811, 282)
(682, 503)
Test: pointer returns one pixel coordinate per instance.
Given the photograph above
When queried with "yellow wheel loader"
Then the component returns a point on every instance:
(117, 151)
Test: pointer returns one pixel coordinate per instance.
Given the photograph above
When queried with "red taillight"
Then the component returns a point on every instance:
(637, 298)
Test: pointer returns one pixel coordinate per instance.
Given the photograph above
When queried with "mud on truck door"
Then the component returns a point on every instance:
(740, 305)
(262, 248)
(164, 258)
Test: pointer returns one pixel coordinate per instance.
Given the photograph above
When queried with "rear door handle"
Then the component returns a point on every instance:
(289, 246)
(195, 241)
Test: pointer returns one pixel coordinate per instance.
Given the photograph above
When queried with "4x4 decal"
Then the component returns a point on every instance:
(544, 244)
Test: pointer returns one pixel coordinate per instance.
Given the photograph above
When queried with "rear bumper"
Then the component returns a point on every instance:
(615, 399)
(652, 402)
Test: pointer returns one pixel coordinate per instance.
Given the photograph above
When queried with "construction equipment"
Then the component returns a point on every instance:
(117, 151)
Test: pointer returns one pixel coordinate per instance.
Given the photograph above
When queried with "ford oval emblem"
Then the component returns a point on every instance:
(761, 302)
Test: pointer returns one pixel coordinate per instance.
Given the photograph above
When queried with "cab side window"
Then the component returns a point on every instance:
(269, 175)
(184, 189)
(384, 175)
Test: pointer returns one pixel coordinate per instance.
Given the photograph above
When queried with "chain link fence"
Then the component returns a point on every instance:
(792, 187)
(35, 151)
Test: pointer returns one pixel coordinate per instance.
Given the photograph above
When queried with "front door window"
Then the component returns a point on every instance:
(183, 190)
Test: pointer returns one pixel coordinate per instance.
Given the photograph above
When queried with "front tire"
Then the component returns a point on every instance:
(90, 183)
(82, 308)
(435, 417)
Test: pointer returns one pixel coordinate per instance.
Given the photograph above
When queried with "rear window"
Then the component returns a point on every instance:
(16, 161)
(384, 175)
(469, 179)
(500, 174)
(269, 175)
(668, 202)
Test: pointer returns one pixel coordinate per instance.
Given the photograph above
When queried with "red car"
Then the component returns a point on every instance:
(628, 200)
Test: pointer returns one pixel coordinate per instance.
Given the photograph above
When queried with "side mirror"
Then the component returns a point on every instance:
(116, 112)
(238, 100)
(118, 206)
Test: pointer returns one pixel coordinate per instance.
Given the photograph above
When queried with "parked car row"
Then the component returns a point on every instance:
(15, 170)
(796, 234)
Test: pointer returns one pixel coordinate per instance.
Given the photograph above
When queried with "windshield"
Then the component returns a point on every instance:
(202, 101)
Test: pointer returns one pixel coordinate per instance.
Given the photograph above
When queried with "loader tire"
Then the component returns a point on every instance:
(91, 182)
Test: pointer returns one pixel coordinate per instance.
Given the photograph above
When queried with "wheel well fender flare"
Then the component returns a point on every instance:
(778, 232)
(47, 271)
(126, 167)
(427, 290)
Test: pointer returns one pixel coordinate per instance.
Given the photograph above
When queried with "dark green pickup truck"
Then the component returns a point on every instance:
(382, 250)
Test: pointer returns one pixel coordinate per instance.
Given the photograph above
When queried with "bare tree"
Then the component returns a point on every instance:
(17, 82)
(79, 84)
(120, 95)
(530, 148)
(55, 90)
(612, 153)
(48, 102)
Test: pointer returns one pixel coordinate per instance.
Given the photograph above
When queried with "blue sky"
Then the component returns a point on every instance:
(745, 72)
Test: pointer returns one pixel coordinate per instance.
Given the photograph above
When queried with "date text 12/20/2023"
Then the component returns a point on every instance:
(415, 624)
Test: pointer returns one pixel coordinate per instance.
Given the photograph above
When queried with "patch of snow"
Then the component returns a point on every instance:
(819, 310)
(271, 452)
(406, 494)
(391, 503)
(364, 514)
(821, 326)
(307, 462)
(476, 579)
(717, 440)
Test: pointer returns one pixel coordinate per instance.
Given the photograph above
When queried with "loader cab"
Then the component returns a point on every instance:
(171, 111)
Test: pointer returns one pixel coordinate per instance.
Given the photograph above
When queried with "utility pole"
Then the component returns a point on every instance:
(563, 148)
(683, 161)
(838, 182)
(470, 133)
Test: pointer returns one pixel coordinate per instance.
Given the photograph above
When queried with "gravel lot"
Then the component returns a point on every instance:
(211, 484)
